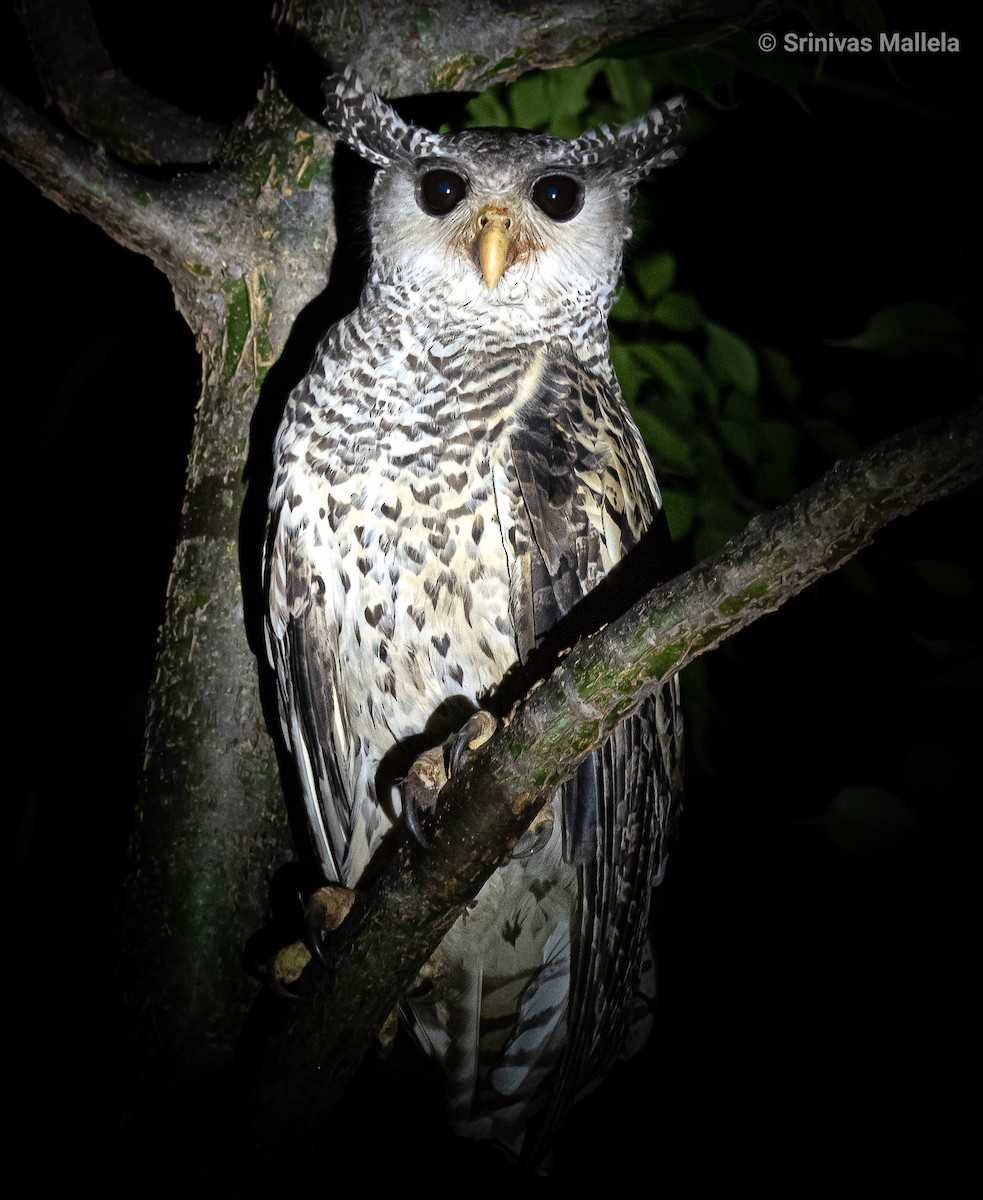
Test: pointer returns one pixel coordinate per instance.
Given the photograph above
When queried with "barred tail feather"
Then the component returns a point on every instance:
(497, 1019)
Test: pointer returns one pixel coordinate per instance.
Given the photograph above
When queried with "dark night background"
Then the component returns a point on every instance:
(815, 964)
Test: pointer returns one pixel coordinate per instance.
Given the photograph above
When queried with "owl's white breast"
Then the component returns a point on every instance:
(398, 484)
(405, 514)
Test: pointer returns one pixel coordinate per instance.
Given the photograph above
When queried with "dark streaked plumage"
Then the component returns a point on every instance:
(455, 474)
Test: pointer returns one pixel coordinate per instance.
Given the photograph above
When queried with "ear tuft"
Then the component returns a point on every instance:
(640, 146)
(371, 127)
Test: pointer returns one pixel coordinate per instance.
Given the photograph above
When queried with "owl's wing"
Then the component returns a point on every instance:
(302, 646)
(588, 497)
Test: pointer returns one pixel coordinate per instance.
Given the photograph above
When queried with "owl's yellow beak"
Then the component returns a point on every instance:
(494, 235)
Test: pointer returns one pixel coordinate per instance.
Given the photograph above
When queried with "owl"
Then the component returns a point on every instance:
(453, 479)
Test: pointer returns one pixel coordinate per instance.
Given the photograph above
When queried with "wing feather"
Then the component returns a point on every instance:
(302, 646)
(589, 496)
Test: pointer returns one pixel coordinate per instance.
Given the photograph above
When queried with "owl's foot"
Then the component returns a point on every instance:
(286, 967)
(477, 730)
(431, 771)
(387, 1034)
(420, 790)
(441, 980)
(538, 833)
(324, 912)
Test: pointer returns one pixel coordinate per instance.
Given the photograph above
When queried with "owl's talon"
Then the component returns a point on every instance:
(286, 967)
(414, 826)
(429, 772)
(324, 912)
(474, 733)
(420, 790)
(387, 1034)
(537, 835)
(438, 980)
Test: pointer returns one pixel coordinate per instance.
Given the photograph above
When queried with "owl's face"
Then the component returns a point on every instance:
(498, 217)
(499, 214)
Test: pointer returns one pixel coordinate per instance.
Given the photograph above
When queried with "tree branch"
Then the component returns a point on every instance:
(456, 45)
(99, 102)
(206, 231)
(151, 218)
(486, 807)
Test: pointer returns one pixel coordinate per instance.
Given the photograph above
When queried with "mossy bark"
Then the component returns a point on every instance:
(210, 827)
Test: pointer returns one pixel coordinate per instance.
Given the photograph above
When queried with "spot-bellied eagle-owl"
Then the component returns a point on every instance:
(456, 472)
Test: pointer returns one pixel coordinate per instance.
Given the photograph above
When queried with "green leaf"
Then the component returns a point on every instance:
(567, 90)
(781, 70)
(680, 408)
(487, 111)
(719, 511)
(665, 443)
(679, 312)
(631, 374)
(740, 406)
(675, 364)
(680, 512)
(630, 87)
(778, 371)
(530, 101)
(553, 100)
(911, 328)
(707, 540)
(731, 359)
(565, 127)
(705, 74)
(654, 273)
(739, 441)
(719, 492)
(626, 307)
(779, 442)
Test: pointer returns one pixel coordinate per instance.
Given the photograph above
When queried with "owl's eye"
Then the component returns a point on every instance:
(559, 196)
(440, 191)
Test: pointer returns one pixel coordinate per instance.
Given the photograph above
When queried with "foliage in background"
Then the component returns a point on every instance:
(731, 423)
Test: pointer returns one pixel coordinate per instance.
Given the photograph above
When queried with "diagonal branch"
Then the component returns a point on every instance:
(151, 218)
(485, 808)
(206, 227)
(99, 102)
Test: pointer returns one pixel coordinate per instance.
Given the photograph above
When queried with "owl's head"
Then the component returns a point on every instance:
(499, 215)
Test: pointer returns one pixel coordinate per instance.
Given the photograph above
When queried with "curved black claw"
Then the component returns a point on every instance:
(475, 731)
(324, 912)
(537, 835)
(420, 789)
(387, 1034)
(429, 772)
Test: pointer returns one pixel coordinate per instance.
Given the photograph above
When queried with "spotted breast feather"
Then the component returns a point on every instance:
(456, 485)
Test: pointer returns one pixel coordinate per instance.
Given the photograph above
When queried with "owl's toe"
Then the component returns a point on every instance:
(474, 733)
(432, 769)
(420, 789)
(286, 967)
(324, 912)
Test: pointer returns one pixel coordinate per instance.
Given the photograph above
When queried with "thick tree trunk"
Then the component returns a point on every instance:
(210, 826)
